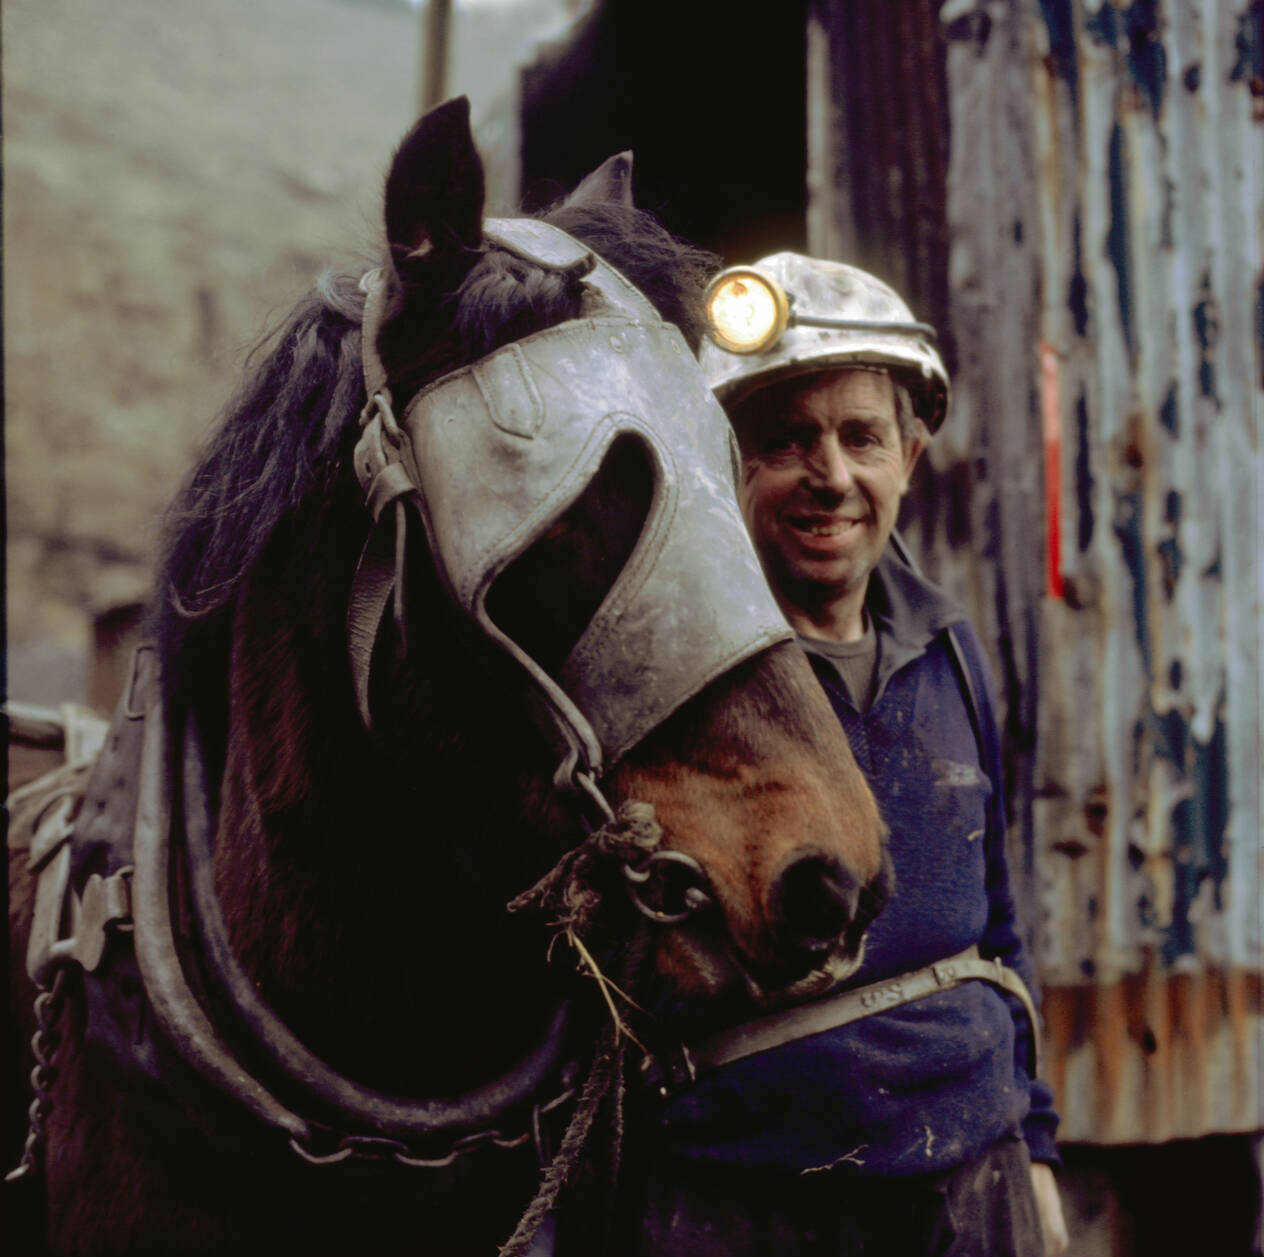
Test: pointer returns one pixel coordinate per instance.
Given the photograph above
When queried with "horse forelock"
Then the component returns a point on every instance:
(499, 297)
(671, 272)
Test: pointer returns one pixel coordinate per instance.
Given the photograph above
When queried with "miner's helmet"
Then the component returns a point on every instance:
(789, 315)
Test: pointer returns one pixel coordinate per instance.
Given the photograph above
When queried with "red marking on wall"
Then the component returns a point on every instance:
(1051, 427)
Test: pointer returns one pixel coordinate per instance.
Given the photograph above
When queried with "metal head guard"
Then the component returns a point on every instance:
(493, 453)
(790, 315)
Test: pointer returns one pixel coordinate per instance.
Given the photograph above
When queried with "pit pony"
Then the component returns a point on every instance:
(468, 760)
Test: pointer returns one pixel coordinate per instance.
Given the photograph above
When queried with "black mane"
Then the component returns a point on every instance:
(283, 441)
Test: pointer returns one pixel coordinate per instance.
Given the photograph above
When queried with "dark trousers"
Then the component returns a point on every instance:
(983, 1209)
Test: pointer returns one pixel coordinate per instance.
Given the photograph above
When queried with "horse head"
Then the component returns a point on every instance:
(632, 600)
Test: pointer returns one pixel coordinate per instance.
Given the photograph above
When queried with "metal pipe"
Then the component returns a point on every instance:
(436, 21)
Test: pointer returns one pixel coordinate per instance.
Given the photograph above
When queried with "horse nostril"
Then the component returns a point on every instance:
(814, 902)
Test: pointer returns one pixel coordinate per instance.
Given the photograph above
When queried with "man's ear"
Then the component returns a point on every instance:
(912, 448)
(434, 190)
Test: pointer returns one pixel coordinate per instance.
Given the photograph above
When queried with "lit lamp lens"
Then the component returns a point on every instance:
(746, 312)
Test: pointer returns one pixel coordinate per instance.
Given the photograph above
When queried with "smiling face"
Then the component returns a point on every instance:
(824, 466)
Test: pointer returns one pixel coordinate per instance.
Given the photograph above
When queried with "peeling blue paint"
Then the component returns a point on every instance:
(1213, 569)
(1199, 824)
(1169, 412)
(1136, 30)
(1170, 736)
(1121, 184)
(1211, 785)
(1117, 236)
(1206, 316)
(1171, 558)
(1077, 289)
(1147, 59)
(1103, 25)
(1207, 380)
(1206, 325)
(974, 27)
(1167, 238)
(1248, 43)
(1145, 912)
(1062, 54)
(1127, 527)
(1083, 475)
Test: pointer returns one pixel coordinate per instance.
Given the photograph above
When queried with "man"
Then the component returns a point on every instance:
(919, 1128)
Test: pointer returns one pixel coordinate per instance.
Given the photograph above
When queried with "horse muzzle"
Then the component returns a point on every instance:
(811, 940)
(819, 916)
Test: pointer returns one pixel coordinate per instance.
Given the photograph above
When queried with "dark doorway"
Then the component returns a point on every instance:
(710, 98)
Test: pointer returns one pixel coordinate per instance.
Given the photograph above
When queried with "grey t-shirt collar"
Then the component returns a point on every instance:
(906, 611)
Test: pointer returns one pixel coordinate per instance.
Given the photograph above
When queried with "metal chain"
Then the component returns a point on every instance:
(49, 1005)
(378, 1148)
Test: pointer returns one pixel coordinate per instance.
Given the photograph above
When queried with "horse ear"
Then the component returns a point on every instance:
(611, 181)
(434, 190)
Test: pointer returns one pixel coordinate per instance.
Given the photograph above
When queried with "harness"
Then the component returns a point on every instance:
(124, 833)
(670, 1073)
(113, 931)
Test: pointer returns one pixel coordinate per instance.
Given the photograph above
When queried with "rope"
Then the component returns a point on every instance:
(604, 1077)
(571, 892)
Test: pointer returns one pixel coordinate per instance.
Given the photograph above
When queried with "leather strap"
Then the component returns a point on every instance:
(372, 586)
(189, 1028)
(357, 1108)
(380, 571)
(811, 1018)
(173, 1003)
(373, 285)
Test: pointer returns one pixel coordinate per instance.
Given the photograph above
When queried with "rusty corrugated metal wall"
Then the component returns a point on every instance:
(1106, 213)
(1095, 495)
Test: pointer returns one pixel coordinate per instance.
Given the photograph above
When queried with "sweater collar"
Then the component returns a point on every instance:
(908, 612)
(908, 609)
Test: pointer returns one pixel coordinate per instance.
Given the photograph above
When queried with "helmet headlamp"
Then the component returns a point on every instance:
(747, 313)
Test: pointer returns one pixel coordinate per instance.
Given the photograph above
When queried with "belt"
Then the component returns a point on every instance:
(802, 1020)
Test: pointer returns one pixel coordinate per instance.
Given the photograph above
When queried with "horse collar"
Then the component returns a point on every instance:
(124, 827)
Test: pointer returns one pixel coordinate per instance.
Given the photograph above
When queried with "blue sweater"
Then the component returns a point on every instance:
(924, 1087)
